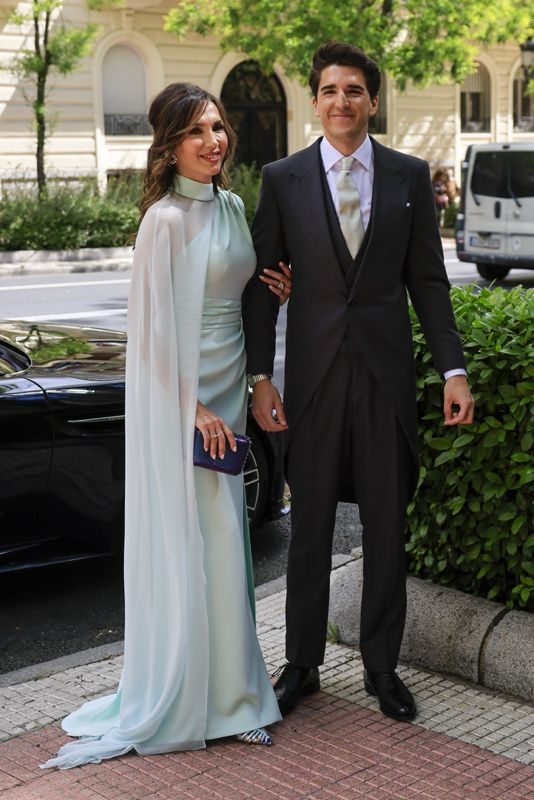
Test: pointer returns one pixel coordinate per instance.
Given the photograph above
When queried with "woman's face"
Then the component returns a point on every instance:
(200, 154)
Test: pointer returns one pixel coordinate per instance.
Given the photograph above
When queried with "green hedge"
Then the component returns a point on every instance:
(68, 218)
(471, 521)
(73, 216)
(245, 182)
(449, 217)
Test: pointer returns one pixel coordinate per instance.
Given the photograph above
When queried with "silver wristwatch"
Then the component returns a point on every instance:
(252, 380)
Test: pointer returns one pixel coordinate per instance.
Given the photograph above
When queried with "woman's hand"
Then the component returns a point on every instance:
(214, 431)
(278, 281)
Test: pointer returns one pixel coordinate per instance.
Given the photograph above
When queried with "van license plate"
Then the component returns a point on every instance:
(489, 242)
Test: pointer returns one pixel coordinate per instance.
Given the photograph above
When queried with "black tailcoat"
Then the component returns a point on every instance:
(337, 305)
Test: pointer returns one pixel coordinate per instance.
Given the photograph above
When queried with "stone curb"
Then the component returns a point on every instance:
(90, 259)
(46, 256)
(448, 631)
(91, 254)
(36, 672)
(50, 262)
(106, 651)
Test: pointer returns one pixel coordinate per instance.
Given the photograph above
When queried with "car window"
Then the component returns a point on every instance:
(12, 359)
(522, 176)
(489, 175)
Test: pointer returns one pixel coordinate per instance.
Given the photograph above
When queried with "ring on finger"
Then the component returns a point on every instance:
(214, 435)
(220, 434)
(281, 285)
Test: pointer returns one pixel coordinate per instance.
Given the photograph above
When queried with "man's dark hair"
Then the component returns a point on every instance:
(344, 55)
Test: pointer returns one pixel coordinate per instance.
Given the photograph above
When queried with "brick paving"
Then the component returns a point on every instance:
(467, 743)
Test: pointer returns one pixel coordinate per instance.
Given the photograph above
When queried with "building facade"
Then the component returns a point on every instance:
(101, 128)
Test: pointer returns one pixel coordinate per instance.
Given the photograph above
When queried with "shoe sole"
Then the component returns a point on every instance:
(311, 688)
(398, 717)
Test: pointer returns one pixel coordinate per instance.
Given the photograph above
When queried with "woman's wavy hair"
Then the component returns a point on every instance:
(171, 115)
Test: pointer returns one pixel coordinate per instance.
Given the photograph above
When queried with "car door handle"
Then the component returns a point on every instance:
(498, 209)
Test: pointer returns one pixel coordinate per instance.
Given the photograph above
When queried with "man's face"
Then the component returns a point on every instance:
(344, 106)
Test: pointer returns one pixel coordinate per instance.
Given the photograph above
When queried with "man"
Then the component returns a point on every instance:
(356, 221)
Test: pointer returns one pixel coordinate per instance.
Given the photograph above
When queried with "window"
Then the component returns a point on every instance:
(504, 174)
(124, 93)
(523, 107)
(522, 173)
(379, 123)
(256, 107)
(490, 174)
(475, 104)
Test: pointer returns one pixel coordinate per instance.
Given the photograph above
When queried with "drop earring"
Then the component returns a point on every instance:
(172, 161)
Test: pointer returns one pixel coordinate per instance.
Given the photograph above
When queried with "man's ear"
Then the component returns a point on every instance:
(314, 104)
(374, 106)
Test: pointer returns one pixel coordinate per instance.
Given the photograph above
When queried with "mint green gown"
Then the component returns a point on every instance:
(193, 669)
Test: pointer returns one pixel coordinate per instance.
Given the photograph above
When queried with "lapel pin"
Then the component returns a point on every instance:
(407, 205)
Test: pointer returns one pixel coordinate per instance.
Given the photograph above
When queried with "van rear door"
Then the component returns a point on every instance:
(520, 242)
(486, 199)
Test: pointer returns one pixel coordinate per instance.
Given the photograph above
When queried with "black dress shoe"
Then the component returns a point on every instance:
(294, 683)
(394, 698)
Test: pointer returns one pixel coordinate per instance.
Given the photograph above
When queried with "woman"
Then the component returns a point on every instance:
(440, 184)
(193, 669)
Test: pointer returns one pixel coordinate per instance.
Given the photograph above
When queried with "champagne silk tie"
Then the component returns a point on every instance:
(350, 217)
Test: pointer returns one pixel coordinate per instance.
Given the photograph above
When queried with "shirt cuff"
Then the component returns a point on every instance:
(451, 372)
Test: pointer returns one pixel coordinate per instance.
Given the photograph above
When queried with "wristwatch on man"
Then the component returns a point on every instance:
(252, 380)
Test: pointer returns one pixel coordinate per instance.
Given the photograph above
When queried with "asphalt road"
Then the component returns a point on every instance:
(63, 610)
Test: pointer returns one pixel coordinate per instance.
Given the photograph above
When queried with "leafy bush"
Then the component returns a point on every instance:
(113, 225)
(245, 182)
(68, 217)
(76, 216)
(449, 217)
(125, 187)
(471, 520)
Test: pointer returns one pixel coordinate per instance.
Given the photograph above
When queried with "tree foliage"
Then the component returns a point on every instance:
(431, 42)
(55, 48)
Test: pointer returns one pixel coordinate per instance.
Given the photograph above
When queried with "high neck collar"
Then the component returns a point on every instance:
(193, 189)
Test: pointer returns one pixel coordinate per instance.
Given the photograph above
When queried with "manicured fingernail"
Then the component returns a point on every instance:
(234, 449)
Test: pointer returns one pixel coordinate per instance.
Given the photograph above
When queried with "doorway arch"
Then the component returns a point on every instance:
(256, 106)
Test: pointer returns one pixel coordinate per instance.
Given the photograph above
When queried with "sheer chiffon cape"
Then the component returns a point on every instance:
(164, 678)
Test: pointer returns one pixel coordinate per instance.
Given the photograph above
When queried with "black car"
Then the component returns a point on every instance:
(62, 447)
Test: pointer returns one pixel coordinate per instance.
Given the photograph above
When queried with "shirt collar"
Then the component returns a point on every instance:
(330, 156)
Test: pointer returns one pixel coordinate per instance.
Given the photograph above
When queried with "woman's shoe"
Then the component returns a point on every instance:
(257, 736)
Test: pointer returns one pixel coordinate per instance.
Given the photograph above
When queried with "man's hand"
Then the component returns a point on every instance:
(266, 400)
(456, 393)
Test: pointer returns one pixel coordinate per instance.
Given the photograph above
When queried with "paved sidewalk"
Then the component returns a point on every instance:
(467, 743)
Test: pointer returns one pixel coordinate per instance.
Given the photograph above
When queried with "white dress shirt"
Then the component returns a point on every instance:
(362, 173)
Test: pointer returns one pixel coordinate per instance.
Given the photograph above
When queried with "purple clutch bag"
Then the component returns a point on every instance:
(231, 464)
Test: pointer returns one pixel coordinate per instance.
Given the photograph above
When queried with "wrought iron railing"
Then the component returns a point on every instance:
(126, 125)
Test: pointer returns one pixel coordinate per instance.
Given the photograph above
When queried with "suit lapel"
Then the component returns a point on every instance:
(388, 212)
(310, 211)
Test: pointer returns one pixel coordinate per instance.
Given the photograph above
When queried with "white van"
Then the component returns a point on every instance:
(495, 222)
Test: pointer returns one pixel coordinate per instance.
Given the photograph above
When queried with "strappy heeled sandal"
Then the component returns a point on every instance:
(256, 736)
